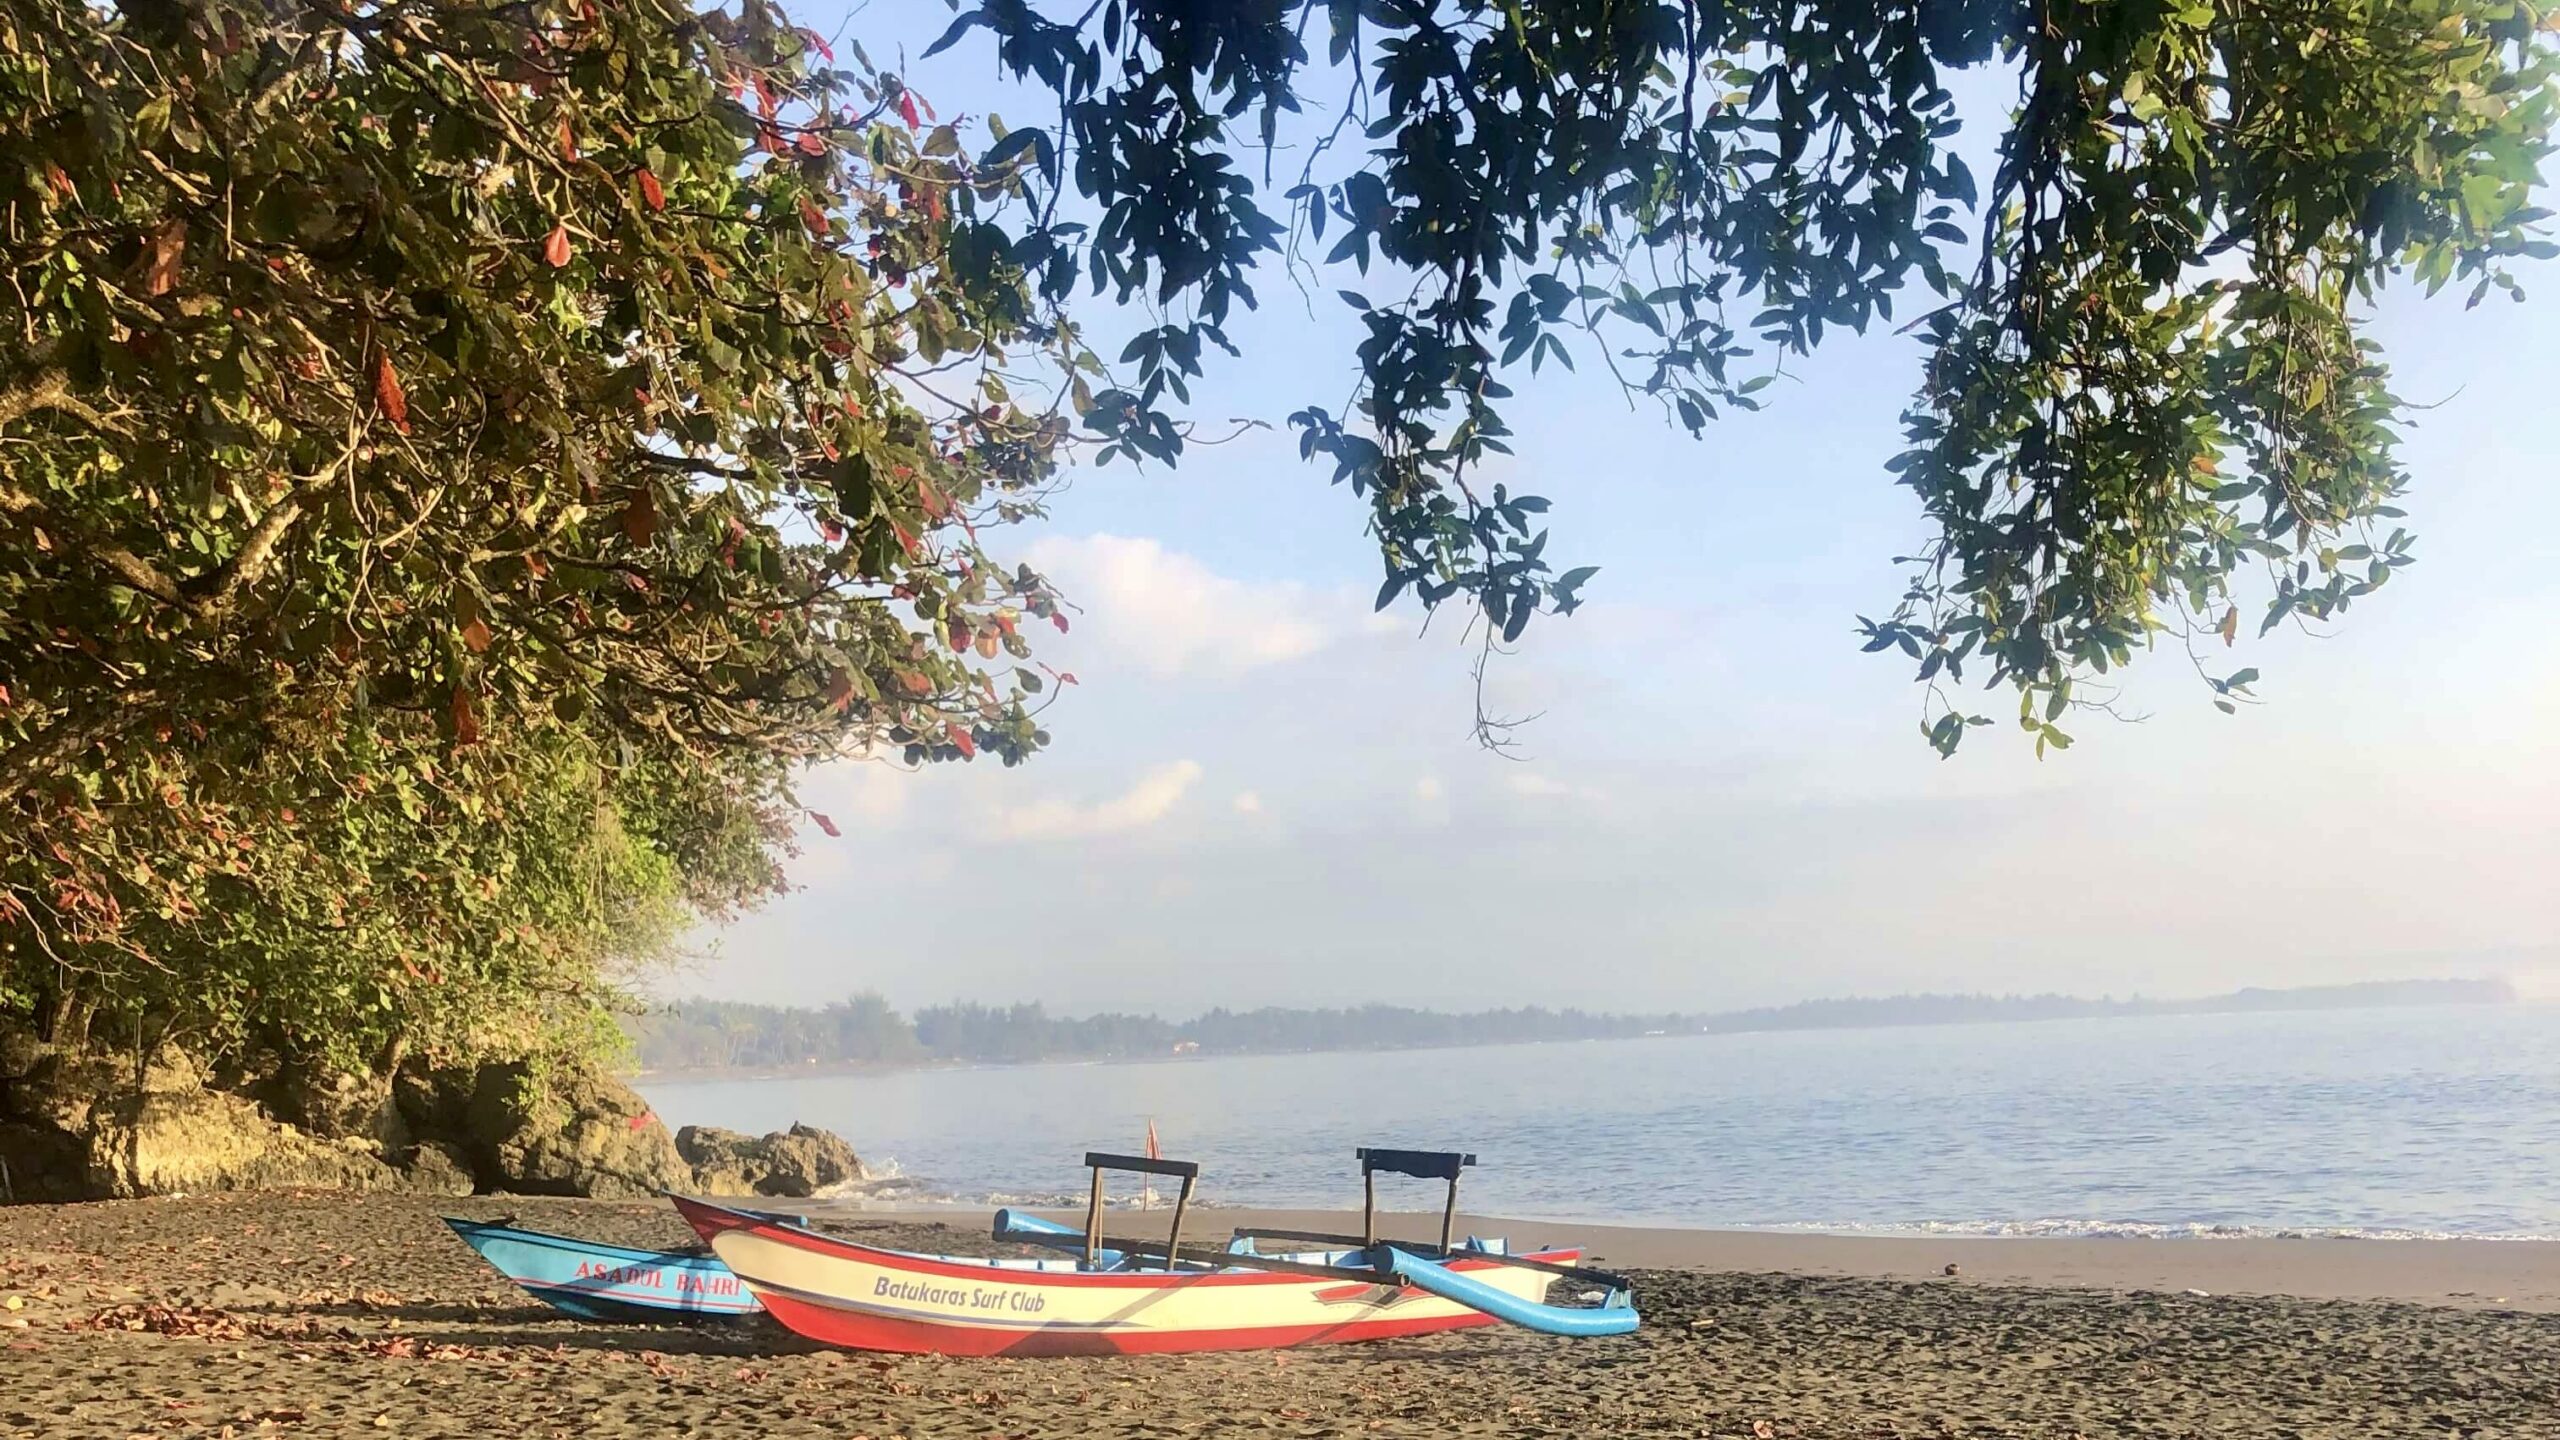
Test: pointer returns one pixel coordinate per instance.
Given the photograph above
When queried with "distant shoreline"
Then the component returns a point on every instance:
(2378, 995)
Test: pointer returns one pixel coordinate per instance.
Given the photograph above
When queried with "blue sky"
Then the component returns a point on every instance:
(1262, 793)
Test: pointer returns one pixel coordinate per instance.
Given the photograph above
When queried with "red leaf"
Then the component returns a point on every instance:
(388, 394)
(907, 107)
(820, 42)
(931, 499)
(813, 217)
(961, 740)
(640, 517)
(1059, 619)
(475, 636)
(906, 538)
(839, 691)
(913, 683)
(555, 246)
(568, 140)
(810, 144)
(466, 718)
(1066, 677)
(827, 825)
(650, 190)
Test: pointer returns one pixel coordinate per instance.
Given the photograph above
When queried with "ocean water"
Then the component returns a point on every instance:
(2432, 1121)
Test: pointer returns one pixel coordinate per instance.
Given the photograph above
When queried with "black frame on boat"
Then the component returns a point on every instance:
(1187, 1171)
(1420, 1164)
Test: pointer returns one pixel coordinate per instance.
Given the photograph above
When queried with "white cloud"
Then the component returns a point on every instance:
(1141, 805)
(1248, 802)
(1168, 614)
(872, 792)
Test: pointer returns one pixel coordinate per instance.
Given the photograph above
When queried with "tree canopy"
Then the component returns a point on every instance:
(455, 457)
(458, 456)
(2145, 378)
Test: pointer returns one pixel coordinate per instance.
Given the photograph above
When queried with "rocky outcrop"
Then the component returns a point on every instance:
(795, 1163)
(78, 1123)
(570, 1134)
(338, 1105)
(436, 1168)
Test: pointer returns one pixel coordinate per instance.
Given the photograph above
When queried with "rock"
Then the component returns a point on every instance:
(60, 1087)
(1952, 1269)
(436, 1168)
(41, 1164)
(796, 1163)
(337, 1105)
(573, 1133)
(19, 1051)
(722, 1160)
(172, 1142)
(807, 1160)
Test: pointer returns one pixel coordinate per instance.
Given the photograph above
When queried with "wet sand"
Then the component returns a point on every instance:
(325, 1315)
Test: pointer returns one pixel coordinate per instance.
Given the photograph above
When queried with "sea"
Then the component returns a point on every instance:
(2415, 1122)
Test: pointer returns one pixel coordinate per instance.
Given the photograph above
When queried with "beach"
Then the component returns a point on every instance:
(264, 1314)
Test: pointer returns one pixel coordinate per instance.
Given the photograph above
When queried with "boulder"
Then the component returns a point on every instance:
(338, 1105)
(569, 1133)
(19, 1051)
(164, 1142)
(721, 1159)
(59, 1087)
(436, 1168)
(40, 1163)
(795, 1163)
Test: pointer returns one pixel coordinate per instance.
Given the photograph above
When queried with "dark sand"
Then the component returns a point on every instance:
(337, 1316)
(2468, 1274)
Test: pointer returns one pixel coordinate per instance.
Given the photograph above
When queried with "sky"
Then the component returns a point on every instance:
(1262, 793)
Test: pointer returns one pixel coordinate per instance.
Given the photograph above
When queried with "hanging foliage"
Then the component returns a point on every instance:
(2146, 375)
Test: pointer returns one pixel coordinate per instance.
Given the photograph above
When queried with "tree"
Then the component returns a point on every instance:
(455, 458)
(2145, 372)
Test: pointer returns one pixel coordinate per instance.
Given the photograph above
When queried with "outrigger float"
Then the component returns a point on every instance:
(1126, 1296)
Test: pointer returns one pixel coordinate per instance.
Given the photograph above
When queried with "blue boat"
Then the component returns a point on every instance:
(608, 1282)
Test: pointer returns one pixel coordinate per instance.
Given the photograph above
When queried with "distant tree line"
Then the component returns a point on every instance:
(865, 1030)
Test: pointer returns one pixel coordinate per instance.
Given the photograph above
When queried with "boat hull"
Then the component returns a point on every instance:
(858, 1297)
(608, 1282)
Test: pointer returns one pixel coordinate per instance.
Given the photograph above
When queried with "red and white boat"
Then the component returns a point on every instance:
(1125, 1298)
